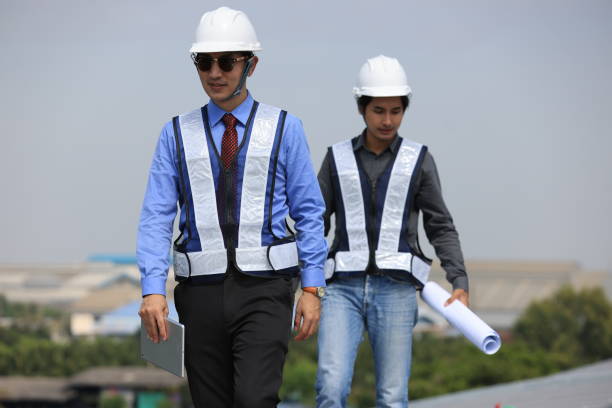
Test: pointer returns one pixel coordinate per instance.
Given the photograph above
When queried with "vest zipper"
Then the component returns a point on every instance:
(229, 216)
(372, 221)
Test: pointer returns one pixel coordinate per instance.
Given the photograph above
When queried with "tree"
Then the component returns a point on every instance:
(574, 323)
(115, 401)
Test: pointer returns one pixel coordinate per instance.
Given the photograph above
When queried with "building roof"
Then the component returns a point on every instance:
(125, 319)
(127, 377)
(501, 290)
(101, 279)
(584, 387)
(117, 259)
(106, 299)
(60, 297)
(17, 388)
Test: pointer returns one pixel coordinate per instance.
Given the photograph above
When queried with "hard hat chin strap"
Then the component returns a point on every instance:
(243, 77)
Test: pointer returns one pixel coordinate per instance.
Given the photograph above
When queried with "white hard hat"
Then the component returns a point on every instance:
(225, 29)
(382, 76)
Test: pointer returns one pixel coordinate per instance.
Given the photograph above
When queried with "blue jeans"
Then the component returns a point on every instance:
(387, 310)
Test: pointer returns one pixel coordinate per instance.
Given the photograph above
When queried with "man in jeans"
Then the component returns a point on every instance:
(376, 184)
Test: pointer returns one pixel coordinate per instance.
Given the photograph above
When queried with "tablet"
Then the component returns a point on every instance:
(168, 355)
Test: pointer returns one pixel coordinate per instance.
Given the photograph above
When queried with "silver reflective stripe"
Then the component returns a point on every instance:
(395, 200)
(329, 268)
(420, 269)
(354, 211)
(393, 260)
(283, 256)
(250, 255)
(256, 259)
(253, 195)
(180, 264)
(404, 261)
(352, 261)
(213, 258)
(209, 262)
(387, 253)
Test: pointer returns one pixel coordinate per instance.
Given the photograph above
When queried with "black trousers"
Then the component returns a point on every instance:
(236, 337)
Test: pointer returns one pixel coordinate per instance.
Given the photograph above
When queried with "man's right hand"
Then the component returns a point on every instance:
(153, 312)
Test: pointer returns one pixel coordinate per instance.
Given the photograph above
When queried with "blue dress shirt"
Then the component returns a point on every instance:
(297, 194)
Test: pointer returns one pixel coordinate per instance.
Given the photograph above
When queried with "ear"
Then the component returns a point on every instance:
(255, 60)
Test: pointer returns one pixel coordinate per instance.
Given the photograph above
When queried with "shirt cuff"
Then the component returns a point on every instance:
(153, 287)
(313, 277)
(461, 282)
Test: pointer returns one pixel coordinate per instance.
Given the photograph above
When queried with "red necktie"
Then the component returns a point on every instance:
(229, 144)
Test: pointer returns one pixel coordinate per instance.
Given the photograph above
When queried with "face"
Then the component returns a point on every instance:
(219, 84)
(383, 117)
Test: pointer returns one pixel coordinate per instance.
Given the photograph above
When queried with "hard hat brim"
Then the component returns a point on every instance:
(221, 47)
(382, 91)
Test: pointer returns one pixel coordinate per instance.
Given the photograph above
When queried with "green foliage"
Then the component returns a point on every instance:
(443, 365)
(115, 401)
(164, 403)
(185, 397)
(33, 319)
(300, 371)
(27, 311)
(572, 323)
(28, 355)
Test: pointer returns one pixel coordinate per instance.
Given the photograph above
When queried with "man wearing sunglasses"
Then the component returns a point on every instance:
(237, 168)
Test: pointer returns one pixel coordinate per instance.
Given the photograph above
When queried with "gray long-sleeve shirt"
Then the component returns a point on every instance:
(437, 220)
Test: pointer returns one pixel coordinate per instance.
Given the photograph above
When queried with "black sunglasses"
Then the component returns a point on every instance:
(226, 62)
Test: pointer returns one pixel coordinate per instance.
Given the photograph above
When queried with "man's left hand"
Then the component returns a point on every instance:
(308, 309)
(460, 294)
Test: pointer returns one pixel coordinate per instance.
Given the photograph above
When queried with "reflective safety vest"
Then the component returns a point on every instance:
(213, 242)
(372, 221)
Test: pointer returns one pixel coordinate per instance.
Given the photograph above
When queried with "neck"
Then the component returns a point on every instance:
(376, 145)
(232, 103)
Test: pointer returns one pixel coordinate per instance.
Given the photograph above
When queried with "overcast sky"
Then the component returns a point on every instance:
(512, 98)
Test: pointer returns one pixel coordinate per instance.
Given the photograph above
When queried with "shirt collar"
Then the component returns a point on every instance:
(361, 143)
(241, 112)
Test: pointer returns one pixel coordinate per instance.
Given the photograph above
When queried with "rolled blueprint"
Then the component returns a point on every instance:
(462, 318)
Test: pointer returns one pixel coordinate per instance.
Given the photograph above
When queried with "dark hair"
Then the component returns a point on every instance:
(364, 100)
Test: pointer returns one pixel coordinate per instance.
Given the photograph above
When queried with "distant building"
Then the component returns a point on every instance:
(87, 291)
(124, 320)
(34, 392)
(501, 290)
(61, 285)
(117, 259)
(87, 311)
(140, 387)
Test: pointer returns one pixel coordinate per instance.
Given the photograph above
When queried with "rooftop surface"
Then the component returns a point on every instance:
(585, 387)
(18, 388)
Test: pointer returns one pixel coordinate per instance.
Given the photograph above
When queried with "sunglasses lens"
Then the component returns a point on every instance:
(226, 63)
(204, 64)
